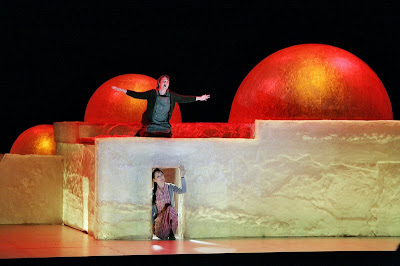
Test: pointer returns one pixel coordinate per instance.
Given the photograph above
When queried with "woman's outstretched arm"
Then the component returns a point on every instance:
(134, 94)
(188, 99)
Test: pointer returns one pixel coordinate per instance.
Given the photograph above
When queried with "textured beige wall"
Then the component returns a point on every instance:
(78, 185)
(296, 178)
(31, 189)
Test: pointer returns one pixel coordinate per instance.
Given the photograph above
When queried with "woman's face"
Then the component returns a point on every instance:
(159, 179)
(164, 83)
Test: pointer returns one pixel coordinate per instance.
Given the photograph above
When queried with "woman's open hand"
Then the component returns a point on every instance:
(204, 97)
(118, 89)
(183, 171)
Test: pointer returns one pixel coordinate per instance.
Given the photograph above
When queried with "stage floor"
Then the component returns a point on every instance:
(43, 241)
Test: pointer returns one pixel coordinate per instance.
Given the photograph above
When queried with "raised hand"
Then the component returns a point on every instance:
(183, 171)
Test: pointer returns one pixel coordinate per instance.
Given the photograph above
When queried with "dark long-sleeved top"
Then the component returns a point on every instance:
(151, 97)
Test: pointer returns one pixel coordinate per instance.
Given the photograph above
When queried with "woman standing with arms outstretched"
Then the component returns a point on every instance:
(160, 105)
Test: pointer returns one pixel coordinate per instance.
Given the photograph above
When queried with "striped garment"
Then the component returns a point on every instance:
(167, 218)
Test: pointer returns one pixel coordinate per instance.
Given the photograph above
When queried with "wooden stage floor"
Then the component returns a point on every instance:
(54, 241)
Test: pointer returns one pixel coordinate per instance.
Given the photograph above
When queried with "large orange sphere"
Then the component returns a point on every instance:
(311, 81)
(109, 106)
(35, 140)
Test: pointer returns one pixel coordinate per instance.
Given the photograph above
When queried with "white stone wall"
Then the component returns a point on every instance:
(31, 189)
(295, 178)
(78, 185)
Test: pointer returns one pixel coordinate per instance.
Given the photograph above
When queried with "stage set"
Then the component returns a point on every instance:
(309, 161)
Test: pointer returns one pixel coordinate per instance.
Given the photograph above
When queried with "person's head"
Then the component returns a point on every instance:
(158, 177)
(158, 180)
(163, 82)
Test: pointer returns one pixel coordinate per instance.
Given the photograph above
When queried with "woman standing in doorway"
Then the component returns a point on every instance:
(165, 217)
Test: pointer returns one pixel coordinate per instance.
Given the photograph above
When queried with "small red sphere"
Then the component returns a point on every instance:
(311, 81)
(35, 140)
(109, 106)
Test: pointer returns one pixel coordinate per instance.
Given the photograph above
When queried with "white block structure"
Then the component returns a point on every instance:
(294, 178)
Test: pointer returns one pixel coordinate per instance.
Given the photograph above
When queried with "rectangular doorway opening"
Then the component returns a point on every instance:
(173, 175)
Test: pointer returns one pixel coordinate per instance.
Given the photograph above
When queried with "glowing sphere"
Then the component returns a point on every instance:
(109, 106)
(311, 81)
(35, 140)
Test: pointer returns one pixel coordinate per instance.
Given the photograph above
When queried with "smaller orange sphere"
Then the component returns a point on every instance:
(35, 140)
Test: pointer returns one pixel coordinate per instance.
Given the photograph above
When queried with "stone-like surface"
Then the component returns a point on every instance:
(79, 132)
(295, 178)
(387, 216)
(78, 185)
(66, 132)
(212, 130)
(31, 189)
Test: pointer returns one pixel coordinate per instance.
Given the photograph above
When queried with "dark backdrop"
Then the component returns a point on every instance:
(55, 54)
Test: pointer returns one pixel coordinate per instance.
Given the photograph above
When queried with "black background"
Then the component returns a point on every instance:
(55, 54)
